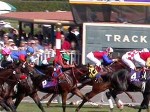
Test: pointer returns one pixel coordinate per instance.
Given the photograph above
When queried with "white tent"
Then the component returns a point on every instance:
(6, 7)
(5, 25)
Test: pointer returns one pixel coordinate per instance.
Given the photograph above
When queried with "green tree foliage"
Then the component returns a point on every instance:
(39, 5)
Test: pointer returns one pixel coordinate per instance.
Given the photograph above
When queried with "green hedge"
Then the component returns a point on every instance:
(54, 5)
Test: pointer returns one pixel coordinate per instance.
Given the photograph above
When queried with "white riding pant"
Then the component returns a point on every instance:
(91, 57)
(128, 62)
(139, 60)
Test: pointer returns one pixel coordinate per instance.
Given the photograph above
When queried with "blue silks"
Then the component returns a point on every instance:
(106, 60)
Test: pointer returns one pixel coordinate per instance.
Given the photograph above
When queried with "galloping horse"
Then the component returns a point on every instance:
(116, 72)
(86, 80)
(9, 77)
(133, 86)
(27, 88)
(67, 82)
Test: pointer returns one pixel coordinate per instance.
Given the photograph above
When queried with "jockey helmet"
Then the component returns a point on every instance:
(6, 51)
(22, 58)
(30, 50)
(148, 62)
(66, 57)
(145, 50)
(109, 50)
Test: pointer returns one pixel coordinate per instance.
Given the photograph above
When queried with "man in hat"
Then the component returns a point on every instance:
(72, 36)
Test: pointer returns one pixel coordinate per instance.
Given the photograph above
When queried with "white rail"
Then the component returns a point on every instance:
(75, 57)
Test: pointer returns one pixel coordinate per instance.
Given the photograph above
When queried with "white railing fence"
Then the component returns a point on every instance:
(75, 57)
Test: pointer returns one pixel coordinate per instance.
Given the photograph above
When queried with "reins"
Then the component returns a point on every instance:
(74, 76)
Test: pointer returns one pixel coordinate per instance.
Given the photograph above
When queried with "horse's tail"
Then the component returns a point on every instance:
(119, 80)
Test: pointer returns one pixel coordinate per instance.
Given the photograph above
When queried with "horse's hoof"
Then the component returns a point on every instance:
(48, 105)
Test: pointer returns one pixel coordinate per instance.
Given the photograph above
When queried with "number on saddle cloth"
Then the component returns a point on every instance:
(92, 71)
(135, 76)
(47, 83)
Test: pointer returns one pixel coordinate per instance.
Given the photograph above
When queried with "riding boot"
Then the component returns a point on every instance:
(143, 76)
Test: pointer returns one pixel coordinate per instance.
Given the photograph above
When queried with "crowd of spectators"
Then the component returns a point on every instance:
(69, 41)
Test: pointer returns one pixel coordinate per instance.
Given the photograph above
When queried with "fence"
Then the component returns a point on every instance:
(75, 57)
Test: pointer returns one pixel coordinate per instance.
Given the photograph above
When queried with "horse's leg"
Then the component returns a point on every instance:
(50, 100)
(36, 99)
(89, 96)
(64, 98)
(10, 103)
(3, 104)
(118, 102)
(108, 95)
(45, 96)
(130, 96)
(97, 88)
(19, 98)
(145, 102)
(77, 92)
(79, 87)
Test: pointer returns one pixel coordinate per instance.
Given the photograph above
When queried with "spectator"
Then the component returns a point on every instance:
(2, 32)
(38, 44)
(72, 36)
(24, 36)
(5, 38)
(65, 45)
(23, 45)
(12, 46)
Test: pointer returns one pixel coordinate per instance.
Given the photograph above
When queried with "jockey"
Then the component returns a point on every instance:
(22, 55)
(6, 57)
(60, 63)
(143, 59)
(98, 56)
(128, 59)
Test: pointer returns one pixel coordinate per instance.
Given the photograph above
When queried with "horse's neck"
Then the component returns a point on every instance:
(5, 74)
(118, 65)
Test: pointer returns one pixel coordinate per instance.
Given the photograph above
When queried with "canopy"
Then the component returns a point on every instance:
(5, 25)
(6, 7)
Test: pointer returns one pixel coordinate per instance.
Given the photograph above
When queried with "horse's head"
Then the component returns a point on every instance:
(12, 72)
(81, 72)
(92, 71)
(27, 69)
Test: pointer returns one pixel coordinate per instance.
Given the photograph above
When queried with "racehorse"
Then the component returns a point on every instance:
(112, 80)
(9, 77)
(27, 88)
(134, 86)
(66, 83)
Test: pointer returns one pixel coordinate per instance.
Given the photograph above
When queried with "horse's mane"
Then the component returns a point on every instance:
(118, 65)
(81, 65)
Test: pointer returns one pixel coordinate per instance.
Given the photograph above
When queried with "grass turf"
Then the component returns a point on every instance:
(31, 107)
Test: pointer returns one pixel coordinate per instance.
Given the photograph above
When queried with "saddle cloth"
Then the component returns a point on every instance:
(47, 83)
